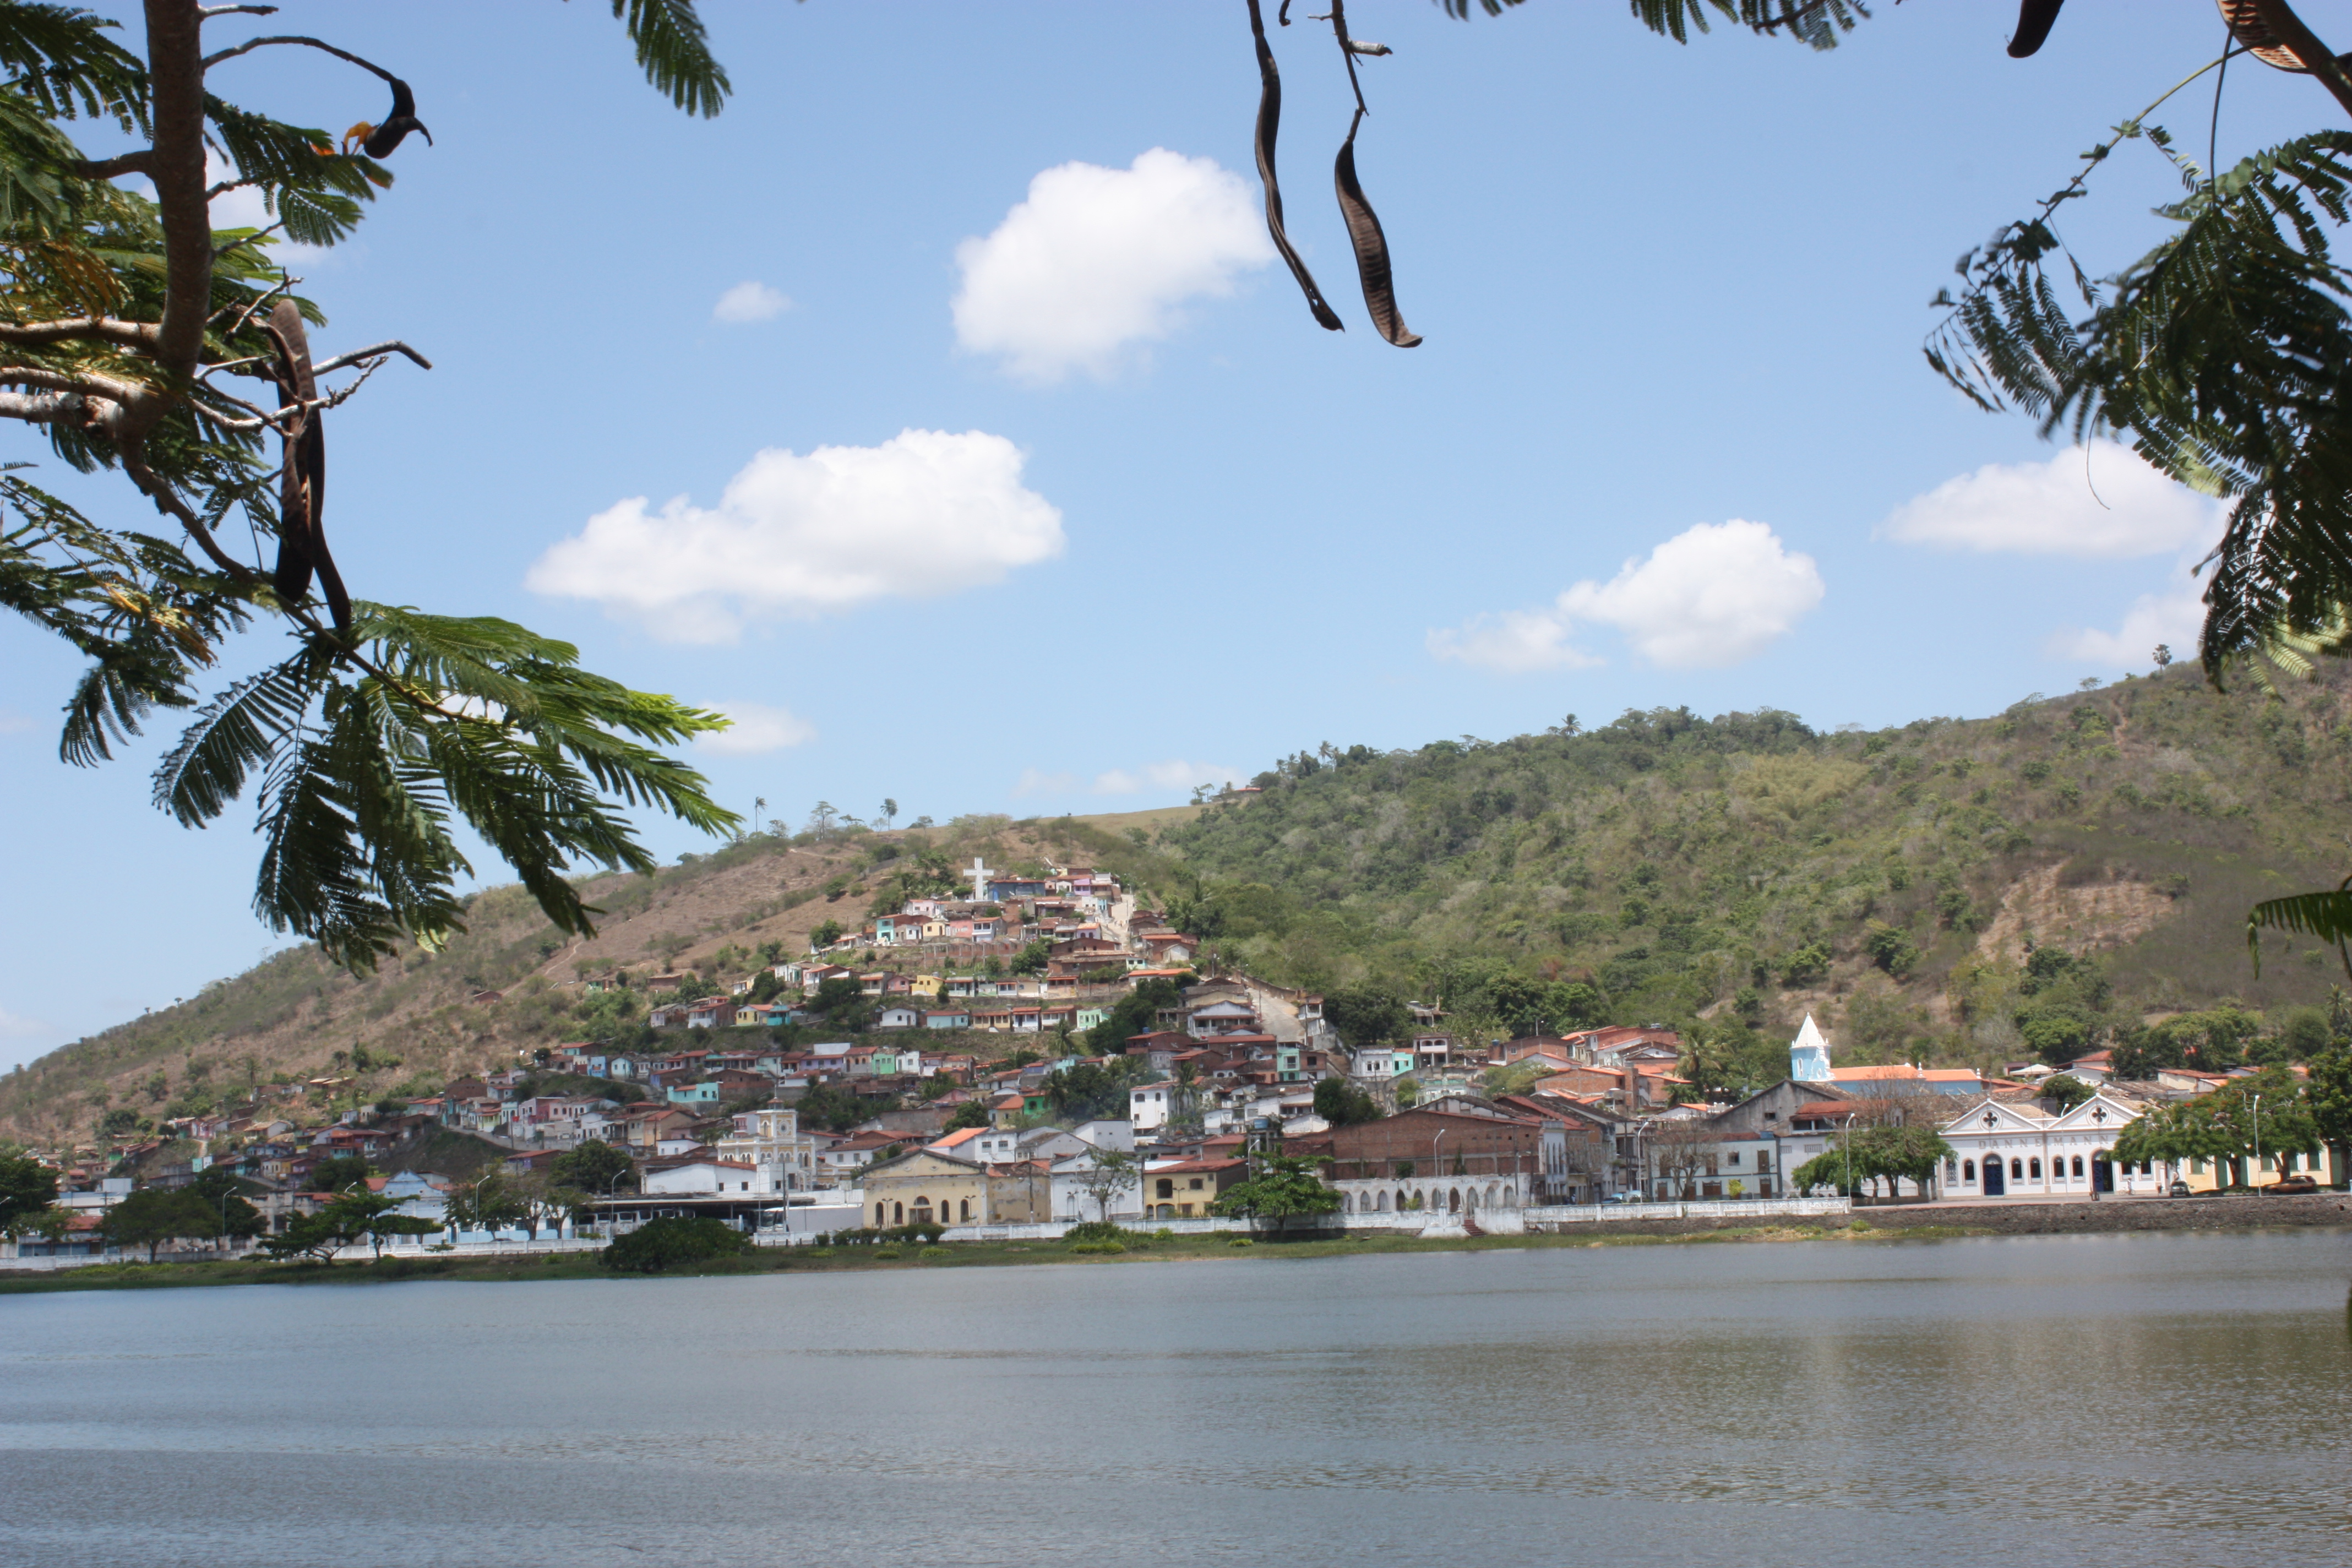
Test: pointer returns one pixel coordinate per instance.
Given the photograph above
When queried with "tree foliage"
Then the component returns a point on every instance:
(1092, 1092)
(1869, 1155)
(674, 1243)
(1134, 1014)
(27, 1188)
(1338, 1101)
(2266, 1111)
(594, 1166)
(340, 1173)
(1282, 1190)
(385, 729)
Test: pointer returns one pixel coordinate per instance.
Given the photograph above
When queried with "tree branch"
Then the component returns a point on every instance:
(393, 346)
(96, 328)
(209, 11)
(139, 162)
(167, 501)
(176, 73)
(213, 59)
(44, 407)
(2318, 58)
(129, 394)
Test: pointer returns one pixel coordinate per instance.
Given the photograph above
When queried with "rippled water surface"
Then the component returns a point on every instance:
(2047, 1401)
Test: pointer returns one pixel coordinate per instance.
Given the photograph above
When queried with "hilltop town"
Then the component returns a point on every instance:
(1100, 1077)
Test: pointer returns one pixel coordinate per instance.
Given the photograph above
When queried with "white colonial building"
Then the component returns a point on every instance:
(2012, 1149)
(769, 1139)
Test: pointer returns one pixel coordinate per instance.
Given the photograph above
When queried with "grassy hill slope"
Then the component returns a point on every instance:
(287, 1019)
(1745, 868)
(1732, 873)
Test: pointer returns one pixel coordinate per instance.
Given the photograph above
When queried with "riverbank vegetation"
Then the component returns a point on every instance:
(669, 1255)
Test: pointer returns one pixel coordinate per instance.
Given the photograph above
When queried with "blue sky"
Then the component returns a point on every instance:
(940, 410)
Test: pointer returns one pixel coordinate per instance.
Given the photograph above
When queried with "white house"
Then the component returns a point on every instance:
(1120, 1135)
(729, 1176)
(2012, 1149)
(1149, 1105)
(1072, 1177)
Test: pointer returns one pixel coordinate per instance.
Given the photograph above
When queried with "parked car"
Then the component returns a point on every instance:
(1626, 1197)
(2301, 1182)
(2180, 1189)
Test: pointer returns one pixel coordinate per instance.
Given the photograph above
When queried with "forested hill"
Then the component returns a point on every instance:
(1667, 868)
(1732, 873)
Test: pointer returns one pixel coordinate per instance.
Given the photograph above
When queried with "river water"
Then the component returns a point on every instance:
(2119, 1400)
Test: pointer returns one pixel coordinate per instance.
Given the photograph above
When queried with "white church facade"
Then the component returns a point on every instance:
(2012, 1149)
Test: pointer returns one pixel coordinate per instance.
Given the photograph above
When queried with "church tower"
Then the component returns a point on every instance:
(1809, 1054)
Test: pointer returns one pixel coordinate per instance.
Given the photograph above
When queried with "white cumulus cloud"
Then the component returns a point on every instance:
(750, 302)
(1712, 595)
(1171, 775)
(2107, 503)
(757, 729)
(1512, 641)
(1033, 781)
(1098, 258)
(924, 514)
(2173, 618)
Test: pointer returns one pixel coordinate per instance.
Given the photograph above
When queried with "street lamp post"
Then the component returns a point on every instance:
(1847, 1140)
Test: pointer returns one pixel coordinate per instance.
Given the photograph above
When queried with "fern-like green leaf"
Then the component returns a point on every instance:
(2326, 916)
(674, 54)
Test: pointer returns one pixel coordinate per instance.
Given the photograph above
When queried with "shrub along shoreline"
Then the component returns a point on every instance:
(698, 1255)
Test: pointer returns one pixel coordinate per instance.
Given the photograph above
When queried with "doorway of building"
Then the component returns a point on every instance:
(2103, 1175)
(1995, 1184)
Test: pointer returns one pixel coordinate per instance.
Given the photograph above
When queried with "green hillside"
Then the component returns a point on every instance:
(2061, 876)
(1744, 870)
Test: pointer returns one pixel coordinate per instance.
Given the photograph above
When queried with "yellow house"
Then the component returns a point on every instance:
(926, 985)
(924, 1188)
(2209, 1175)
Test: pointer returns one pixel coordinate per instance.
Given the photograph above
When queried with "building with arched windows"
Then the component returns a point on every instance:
(928, 1188)
(2019, 1149)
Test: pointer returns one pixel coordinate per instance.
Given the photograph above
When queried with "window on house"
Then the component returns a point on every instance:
(1968, 1172)
(2017, 1168)
(2034, 1167)
(1733, 1158)
(1195, 1184)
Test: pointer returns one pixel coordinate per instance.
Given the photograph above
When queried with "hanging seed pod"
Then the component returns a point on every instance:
(1371, 246)
(1269, 121)
(302, 479)
(2034, 19)
(2244, 19)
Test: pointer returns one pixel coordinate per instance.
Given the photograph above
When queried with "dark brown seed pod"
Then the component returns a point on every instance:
(302, 479)
(2244, 20)
(397, 124)
(1269, 120)
(1371, 246)
(2034, 20)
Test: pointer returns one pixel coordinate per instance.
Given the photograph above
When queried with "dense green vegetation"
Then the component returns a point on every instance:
(2035, 883)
